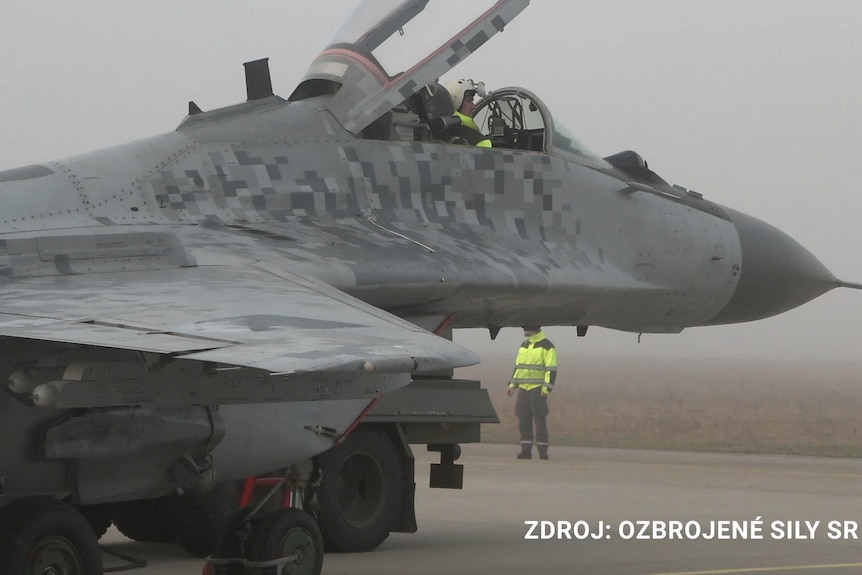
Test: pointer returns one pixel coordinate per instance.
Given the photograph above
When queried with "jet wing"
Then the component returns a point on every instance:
(266, 324)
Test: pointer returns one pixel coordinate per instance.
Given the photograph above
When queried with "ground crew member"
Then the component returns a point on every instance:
(462, 93)
(534, 376)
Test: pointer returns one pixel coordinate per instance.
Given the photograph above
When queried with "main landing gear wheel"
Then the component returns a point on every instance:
(43, 536)
(286, 533)
(360, 494)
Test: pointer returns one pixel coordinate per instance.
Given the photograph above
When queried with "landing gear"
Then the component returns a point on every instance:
(357, 501)
(360, 496)
(286, 541)
(43, 536)
(290, 533)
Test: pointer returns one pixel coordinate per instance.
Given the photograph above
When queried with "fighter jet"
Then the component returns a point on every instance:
(230, 297)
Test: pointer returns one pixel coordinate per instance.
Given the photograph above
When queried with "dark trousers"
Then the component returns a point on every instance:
(531, 408)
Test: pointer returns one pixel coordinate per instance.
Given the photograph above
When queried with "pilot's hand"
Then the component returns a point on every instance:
(510, 391)
(545, 393)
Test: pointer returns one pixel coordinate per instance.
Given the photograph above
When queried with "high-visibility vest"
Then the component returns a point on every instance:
(473, 135)
(536, 365)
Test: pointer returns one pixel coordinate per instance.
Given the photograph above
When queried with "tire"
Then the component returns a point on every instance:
(148, 520)
(47, 536)
(359, 497)
(287, 532)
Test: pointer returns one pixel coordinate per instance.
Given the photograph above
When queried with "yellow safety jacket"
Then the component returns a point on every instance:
(482, 141)
(536, 365)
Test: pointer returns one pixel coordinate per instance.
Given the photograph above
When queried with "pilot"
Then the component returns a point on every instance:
(534, 376)
(463, 93)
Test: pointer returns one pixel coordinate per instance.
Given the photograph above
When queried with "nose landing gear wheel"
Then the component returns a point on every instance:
(290, 533)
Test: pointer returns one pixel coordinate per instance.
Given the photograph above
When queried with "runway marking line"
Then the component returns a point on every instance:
(765, 569)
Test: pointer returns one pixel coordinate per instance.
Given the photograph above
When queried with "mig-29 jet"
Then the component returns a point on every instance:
(229, 298)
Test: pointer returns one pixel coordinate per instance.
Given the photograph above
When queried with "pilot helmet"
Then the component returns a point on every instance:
(458, 89)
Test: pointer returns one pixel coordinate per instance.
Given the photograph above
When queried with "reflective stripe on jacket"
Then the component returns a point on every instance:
(536, 365)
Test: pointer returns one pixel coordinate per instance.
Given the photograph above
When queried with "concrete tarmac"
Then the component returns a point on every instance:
(627, 513)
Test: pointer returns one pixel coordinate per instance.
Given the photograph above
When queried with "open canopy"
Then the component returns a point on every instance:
(387, 50)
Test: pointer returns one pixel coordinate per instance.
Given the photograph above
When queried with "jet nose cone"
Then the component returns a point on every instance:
(776, 273)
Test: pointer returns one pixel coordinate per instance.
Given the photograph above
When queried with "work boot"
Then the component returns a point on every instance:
(543, 450)
(526, 453)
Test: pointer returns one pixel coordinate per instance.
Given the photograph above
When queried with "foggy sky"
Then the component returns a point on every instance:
(754, 104)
